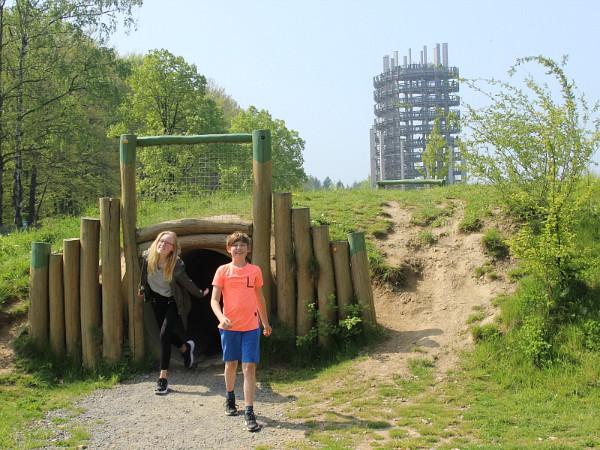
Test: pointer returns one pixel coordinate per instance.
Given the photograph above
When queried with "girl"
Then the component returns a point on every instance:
(167, 286)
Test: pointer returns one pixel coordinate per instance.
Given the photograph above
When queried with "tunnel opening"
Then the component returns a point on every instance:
(201, 266)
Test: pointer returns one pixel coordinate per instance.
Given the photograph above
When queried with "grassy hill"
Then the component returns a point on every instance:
(527, 384)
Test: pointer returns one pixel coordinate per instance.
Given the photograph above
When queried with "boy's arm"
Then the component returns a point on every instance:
(224, 322)
(261, 305)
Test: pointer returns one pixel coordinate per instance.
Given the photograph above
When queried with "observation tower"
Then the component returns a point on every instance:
(409, 98)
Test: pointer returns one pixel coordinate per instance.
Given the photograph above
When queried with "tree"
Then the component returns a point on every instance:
(437, 156)
(327, 183)
(228, 105)
(167, 97)
(535, 151)
(47, 55)
(287, 146)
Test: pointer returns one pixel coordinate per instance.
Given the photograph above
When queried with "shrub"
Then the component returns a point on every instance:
(495, 244)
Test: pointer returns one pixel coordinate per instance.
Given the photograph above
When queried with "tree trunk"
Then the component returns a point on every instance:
(32, 188)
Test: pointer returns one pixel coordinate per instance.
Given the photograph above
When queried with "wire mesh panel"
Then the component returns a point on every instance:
(203, 180)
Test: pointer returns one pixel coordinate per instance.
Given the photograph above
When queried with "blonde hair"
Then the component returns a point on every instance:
(171, 258)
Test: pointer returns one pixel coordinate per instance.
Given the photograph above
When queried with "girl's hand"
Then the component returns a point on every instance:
(225, 323)
(205, 292)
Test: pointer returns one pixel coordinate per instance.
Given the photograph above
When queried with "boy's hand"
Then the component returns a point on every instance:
(267, 329)
(225, 323)
(205, 292)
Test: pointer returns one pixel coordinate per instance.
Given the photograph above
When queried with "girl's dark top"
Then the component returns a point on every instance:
(181, 287)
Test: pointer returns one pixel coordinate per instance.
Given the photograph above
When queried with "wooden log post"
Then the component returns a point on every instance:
(340, 251)
(38, 293)
(284, 261)
(304, 272)
(90, 291)
(360, 275)
(112, 310)
(71, 269)
(325, 284)
(131, 277)
(57, 305)
(261, 208)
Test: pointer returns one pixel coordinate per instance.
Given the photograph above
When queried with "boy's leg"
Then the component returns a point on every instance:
(230, 370)
(249, 370)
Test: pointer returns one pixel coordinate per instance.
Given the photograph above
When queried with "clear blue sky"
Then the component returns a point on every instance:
(311, 63)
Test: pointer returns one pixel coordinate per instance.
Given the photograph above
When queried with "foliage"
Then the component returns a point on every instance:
(57, 92)
(536, 152)
(287, 147)
(437, 156)
(495, 244)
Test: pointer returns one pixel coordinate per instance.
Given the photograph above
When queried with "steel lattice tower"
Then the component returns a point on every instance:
(408, 99)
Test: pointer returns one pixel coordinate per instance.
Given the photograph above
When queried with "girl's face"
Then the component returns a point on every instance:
(238, 250)
(165, 244)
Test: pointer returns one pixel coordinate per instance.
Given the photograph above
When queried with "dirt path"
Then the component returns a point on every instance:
(429, 312)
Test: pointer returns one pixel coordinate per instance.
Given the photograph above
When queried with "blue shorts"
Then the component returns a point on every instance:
(241, 345)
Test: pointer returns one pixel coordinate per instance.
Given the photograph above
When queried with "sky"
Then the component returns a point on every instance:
(311, 63)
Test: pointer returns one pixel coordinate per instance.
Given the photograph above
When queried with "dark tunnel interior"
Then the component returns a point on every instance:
(201, 266)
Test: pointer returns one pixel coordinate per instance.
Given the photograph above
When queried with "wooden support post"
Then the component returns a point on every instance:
(57, 305)
(304, 273)
(284, 261)
(340, 251)
(261, 207)
(112, 309)
(360, 275)
(90, 291)
(71, 251)
(325, 283)
(38, 293)
(135, 305)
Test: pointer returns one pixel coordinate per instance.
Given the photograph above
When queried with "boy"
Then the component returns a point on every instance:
(243, 306)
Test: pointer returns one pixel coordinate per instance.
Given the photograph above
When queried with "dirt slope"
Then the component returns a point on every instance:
(430, 310)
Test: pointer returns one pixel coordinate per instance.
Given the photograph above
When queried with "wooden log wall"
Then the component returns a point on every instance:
(320, 270)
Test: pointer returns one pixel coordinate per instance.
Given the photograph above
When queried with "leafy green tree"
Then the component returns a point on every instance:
(287, 146)
(167, 97)
(312, 183)
(327, 183)
(536, 150)
(437, 155)
(47, 56)
(228, 105)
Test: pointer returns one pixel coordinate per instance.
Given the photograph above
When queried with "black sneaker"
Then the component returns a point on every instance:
(188, 355)
(230, 407)
(162, 387)
(251, 424)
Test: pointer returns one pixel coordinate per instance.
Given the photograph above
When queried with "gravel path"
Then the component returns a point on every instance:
(191, 416)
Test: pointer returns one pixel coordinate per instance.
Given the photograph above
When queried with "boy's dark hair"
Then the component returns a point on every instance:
(238, 236)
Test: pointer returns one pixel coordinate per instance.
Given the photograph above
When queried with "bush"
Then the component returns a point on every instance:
(495, 244)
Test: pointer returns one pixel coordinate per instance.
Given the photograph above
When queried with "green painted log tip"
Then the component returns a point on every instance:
(40, 254)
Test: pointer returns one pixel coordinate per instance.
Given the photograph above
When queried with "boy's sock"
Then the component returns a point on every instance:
(249, 409)
(230, 394)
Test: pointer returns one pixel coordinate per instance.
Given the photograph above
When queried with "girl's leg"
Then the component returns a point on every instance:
(167, 336)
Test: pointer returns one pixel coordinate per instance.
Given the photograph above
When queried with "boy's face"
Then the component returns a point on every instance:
(238, 250)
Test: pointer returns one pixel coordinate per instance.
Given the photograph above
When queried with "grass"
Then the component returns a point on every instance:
(495, 399)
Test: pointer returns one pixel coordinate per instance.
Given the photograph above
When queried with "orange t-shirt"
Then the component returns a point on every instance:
(239, 297)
